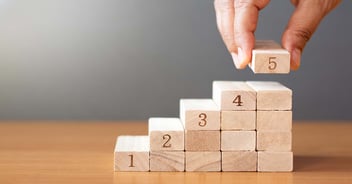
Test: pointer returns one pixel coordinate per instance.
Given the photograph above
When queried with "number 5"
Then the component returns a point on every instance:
(272, 63)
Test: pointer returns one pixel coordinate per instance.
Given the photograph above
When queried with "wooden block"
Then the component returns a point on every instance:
(199, 114)
(234, 95)
(132, 153)
(238, 120)
(203, 161)
(272, 95)
(206, 140)
(274, 121)
(269, 57)
(238, 140)
(239, 161)
(166, 134)
(274, 141)
(275, 161)
(167, 161)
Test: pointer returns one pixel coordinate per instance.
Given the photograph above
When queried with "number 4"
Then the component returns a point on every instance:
(238, 100)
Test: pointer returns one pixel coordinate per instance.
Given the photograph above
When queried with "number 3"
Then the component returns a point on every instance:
(272, 63)
(203, 119)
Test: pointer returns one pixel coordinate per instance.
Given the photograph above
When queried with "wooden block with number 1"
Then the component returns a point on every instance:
(199, 114)
(132, 153)
(166, 134)
(269, 57)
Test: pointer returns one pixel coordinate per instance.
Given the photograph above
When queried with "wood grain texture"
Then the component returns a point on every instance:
(274, 141)
(275, 161)
(238, 120)
(239, 161)
(272, 95)
(274, 121)
(131, 153)
(166, 134)
(77, 152)
(206, 140)
(234, 95)
(199, 114)
(238, 140)
(203, 161)
(167, 161)
(269, 57)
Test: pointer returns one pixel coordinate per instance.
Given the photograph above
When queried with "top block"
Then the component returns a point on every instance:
(269, 57)
(199, 114)
(233, 95)
(272, 96)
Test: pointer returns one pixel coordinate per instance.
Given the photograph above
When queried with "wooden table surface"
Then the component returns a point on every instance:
(82, 152)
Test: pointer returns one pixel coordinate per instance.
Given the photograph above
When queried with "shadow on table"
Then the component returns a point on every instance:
(322, 163)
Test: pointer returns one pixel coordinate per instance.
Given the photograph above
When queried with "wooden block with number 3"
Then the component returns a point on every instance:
(233, 95)
(199, 114)
(269, 57)
(166, 134)
(132, 153)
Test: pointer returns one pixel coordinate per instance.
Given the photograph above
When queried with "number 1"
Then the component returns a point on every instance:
(131, 162)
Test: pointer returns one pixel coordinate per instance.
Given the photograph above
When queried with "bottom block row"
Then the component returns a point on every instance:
(132, 154)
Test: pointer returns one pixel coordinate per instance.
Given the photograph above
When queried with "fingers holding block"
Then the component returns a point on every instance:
(269, 57)
(132, 153)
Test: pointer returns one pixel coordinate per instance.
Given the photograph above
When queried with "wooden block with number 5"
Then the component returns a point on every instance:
(269, 57)
(234, 95)
(199, 114)
(132, 153)
(166, 134)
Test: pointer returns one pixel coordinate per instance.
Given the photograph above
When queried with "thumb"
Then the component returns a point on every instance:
(303, 23)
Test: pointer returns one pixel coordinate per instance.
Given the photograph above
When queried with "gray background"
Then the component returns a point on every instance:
(114, 60)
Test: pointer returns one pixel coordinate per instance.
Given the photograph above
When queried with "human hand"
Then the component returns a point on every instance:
(237, 21)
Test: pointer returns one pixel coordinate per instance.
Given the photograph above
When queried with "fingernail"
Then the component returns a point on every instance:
(235, 59)
(240, 56)
(296, 58)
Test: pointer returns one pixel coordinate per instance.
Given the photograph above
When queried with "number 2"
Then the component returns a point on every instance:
(272, 63)
(166, 137)
(203, 119)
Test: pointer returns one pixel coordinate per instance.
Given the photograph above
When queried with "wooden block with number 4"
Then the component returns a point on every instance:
(234, 95)
(132, 153)
(199, 114)
(269, 57)
(166, 134)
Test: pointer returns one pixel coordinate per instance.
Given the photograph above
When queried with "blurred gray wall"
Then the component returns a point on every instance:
(113, 59)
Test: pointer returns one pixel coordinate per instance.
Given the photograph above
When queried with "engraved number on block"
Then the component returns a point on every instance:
(238, 100)
(203, 119)
(131, 160)
(272, 63)
(167, 137)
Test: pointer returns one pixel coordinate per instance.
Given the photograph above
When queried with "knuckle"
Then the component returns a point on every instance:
(303, 33)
